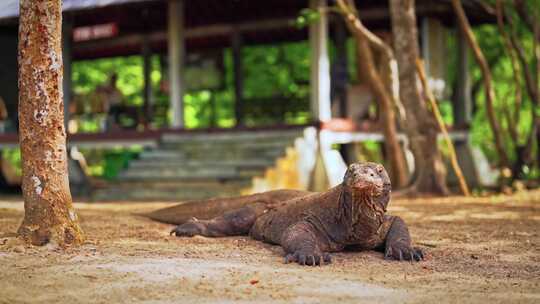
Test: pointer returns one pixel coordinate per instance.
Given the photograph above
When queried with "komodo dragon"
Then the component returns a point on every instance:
(308, 225)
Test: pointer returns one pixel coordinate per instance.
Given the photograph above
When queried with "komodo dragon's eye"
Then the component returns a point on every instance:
(380, 169)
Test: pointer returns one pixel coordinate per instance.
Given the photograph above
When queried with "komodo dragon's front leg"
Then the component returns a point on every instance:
(397, 241)
(305, 245)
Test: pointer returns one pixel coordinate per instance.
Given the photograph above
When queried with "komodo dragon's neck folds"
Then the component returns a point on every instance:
(308, 225)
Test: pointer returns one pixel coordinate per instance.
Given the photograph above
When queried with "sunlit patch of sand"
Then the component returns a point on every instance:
(496, 215)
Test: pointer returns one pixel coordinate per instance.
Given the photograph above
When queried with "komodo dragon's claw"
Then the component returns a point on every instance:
(190, 228)
(315, 259)
(403, 252)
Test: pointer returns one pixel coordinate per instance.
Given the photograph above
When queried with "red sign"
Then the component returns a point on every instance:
(98, 31)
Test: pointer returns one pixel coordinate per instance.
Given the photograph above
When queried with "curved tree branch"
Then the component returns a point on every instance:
(376, 82)
(512, 126)
(529, 20)
(437, 113)
(486, 73)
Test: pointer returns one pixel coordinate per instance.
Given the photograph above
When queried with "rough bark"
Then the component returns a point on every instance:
(420, 126)
(487, 78)
(49, 215)
(377, 80)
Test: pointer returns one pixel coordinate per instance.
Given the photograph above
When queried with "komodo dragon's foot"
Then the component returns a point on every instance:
(403, 252)
(305, 257)
(190, 228)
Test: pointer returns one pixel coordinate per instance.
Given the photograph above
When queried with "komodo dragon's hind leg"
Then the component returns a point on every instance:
(235, 222)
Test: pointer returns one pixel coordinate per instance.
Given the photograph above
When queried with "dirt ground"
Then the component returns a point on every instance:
(478, 250)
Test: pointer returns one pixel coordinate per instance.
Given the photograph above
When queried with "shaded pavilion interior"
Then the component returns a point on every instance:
(144, 27)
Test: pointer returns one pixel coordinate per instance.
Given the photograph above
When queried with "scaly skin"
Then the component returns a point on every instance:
(309, 226)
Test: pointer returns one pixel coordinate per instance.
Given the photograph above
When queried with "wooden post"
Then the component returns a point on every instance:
(320, 64)
(176, 61)
(67, 43)
(424, 44)
(238, 77)
(462, 104)
(341, 74)
(340, 79)
(147, 70)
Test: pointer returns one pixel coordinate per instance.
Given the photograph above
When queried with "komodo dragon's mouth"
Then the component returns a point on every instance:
(368, 187)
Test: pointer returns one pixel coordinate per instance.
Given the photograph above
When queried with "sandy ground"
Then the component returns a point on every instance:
(478, 250)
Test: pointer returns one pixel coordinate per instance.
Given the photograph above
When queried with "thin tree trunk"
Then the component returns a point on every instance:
(486, 75)
(393, 148)
(394, 152)
(420, 126)
(49, 215)
(437, 113)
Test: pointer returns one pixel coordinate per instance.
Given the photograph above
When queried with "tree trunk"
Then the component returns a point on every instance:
(438, 117)
(380, 84)
(49, 215)
(393, 151)
(420, 126)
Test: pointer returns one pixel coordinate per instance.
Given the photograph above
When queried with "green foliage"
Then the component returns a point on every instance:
(286, 70)
(116, 160)
(280, 71)
(13, 156)
(505, 87)
(87, 75)
(306, 17)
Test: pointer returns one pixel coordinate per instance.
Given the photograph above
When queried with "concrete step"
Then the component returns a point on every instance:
(235, 155)
(185, 174)
(167, 191)
(194, 164)
(161, 154)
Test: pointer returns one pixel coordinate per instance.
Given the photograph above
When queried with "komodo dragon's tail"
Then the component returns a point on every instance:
(210, 208)
(201, 209)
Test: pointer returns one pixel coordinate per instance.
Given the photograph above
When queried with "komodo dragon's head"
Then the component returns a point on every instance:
(371, 179)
